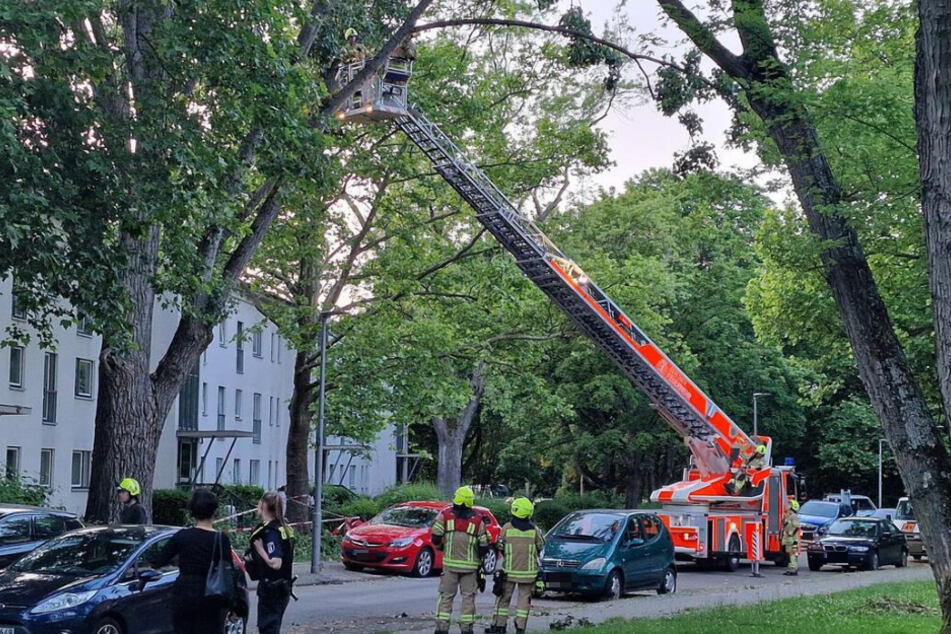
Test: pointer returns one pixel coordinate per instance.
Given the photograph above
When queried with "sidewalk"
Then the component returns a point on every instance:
(332, 572)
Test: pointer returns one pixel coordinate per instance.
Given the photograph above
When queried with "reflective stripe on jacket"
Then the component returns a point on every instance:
(520, 549)
(462, 537)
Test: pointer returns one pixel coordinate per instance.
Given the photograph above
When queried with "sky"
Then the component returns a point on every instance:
(640, 137)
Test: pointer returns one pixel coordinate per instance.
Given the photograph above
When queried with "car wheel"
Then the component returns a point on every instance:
(732, 561)
(871, 561)
(903, 559)
(668, 585)
(353, 567)
(424, 563)
(107, 626)
(234, 624)
(614, 588)
(815, 565)
(489, 561)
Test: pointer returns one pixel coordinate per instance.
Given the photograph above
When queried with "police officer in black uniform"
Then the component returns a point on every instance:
(270, 562)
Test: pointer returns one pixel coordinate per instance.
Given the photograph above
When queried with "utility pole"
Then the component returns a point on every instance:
(315, 562)
(756, 411)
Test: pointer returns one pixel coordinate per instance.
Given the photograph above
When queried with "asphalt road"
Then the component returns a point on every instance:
(368, 603)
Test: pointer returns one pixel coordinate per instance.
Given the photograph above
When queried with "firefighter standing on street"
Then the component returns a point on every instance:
(790, 537)
(520, 543)
(270, 562)
(132, 512)
(459, 532)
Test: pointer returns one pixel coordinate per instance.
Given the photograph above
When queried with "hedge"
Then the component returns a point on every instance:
(13, 490)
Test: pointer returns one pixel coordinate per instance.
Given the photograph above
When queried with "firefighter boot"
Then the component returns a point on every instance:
(791, 573)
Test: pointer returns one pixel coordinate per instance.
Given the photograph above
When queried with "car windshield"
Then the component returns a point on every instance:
(854, 528)
(600, 527)
(904, 511)
(83, 554)
(408, 516)
(819, 509)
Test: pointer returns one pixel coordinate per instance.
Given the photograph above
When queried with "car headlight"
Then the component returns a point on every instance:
(595, 564)
(822, 530)
(63, 601)
(858, 549)
(401, 543)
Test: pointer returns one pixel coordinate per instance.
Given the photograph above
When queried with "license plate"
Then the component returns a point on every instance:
(6, 630)
(355, 552)
(554, 585)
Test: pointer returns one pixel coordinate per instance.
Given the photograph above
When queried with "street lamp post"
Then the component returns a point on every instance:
(315, 563)
(756, 395)
(881, 441)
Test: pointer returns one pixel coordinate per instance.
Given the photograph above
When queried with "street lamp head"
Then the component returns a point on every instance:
(755, 394)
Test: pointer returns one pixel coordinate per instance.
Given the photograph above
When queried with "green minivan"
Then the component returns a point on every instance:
(609, 552)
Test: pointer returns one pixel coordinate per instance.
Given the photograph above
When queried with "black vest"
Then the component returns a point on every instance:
(259, 570)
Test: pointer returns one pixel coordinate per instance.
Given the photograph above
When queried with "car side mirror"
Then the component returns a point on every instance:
(148, 576)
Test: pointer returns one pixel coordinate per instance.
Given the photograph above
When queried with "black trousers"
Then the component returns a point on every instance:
(195, 616)
(272, 601)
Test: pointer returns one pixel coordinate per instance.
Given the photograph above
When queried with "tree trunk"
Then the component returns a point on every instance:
(933, 122)
(299, 435)
(451, 436)
(922, 460)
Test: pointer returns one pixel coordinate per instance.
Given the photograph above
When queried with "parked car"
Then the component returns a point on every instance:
(859, 542)
(99, 581)
(815, 517)
(861, 504)
(908, 525)
(399, 538)
(884, 514)
(23, 528)
(609, 552)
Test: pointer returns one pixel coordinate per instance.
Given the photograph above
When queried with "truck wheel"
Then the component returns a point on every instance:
(731, 563)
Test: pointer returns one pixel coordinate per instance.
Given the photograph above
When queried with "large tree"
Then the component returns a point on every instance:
(158, 139)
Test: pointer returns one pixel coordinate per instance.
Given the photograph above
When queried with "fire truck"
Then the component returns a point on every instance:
(708, 522)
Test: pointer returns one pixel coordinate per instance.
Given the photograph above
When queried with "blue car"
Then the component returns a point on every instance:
(816, 516)
(23, 528)
(97, 581)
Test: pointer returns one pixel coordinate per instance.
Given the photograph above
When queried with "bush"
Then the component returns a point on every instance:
(409, 492)
(364, 508)
(242, 497)
(498, 507)
(15, 491)
(169, 506)
(548, 513)
(592, 500)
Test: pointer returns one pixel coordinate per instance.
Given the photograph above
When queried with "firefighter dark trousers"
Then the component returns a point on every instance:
(522, 606)
(449, 583)
(272, 601)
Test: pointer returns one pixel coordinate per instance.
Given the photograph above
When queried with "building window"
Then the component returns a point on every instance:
(236, 471)
(223, 333)
(239, 358)
(254, 472)
(219, 465)
(330, 476)
(188, 397)
(84, 378)
(277, 411)
(204, 399)
(256, 345)
(16, 309)
(204, 357)
(221, 407)
(273, 341)
(83, 327)
(353, 476)
(238, 394)
(270, 411)
(277, 473)
(16, 367)
(270, 475)
(12, 465)
(49, 388)
(82, 468)
(46, 467)
(278, 348)
(256, 419)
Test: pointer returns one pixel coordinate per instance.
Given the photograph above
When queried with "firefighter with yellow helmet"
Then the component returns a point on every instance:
(790, 537)
(519, 546)
(354, 51)
(460, 533)
(132, 512)
(758, 459)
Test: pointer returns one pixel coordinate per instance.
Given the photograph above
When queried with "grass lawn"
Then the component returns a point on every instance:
(889, 608)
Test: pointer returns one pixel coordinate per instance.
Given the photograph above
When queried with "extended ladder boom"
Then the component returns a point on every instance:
(713, 438)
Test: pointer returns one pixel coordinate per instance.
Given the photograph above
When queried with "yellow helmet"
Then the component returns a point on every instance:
(464, 497)
(130, 485)
(522, 508)
(351, 32)
(794, 505)
(761, 450)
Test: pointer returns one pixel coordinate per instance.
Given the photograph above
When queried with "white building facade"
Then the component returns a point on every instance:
(229, 423)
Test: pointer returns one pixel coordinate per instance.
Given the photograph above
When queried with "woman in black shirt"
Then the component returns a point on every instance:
(192, 613)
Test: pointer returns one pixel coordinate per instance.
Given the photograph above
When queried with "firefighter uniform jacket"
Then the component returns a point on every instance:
(519, 543)
(790, 528)
(461, 535)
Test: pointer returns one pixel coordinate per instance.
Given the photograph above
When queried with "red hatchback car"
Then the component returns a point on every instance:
(399, 538)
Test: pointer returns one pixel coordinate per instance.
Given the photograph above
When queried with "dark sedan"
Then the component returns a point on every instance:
(96, 581)
(859, 542)
(23, 528)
